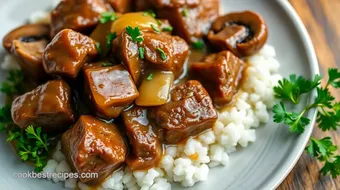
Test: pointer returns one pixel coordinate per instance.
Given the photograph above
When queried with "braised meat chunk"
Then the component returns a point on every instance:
(175, 3)
(67, 53)
(93, 146)
(48, 106)
(160, 51)
(165, 52)
(79, 15)
(191, 23)
(220, 74)
(189, 112)
(110, 89)
(146, 146)
(121, 6)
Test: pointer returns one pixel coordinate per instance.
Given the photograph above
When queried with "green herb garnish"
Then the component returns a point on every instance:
(107, 64)
(141, 52)
(134, 33)
(150, 77)
(328, 117)
(5, 117)
(107, 16)
(168, 29)
(163, 55)
(199, 44)
(159, 22)
(155, 28)
(109, 39)
(150, 12)
(14, 84)
(185, 12)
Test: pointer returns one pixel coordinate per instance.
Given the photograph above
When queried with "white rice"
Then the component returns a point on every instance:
(190, 163)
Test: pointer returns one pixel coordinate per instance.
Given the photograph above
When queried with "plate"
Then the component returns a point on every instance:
(263, 164)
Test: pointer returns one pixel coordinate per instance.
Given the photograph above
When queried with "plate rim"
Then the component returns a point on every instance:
(314, 66)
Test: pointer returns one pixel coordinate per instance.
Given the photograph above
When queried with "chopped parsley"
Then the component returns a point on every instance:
(141, 51)
(155, 28)
(168, 29)
(199, 44)
(107, 16)
(107, 64)
(163, 55)
(159, 22)
(185, 12)
(150, 77)
(134, 33)
(150, 12)
(109, 39)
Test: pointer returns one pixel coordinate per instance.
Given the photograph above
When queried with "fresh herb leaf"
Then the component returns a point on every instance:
(168, 29)
(150, 77)
(324, 151)
(14, 84)
(328, 117)
(332, 168)
(150, 12)
(321, 149)
(134, 33)
(155, 28)
(185, 12)
(35, 133)
(107, 64)
(109, 39)
(5, 117)
(295, 121)
(334, 77)
(107, 16)
(141, 52)
(292, 88)
(163, 55)
(159, 22)
(98, 48)
(198, 44)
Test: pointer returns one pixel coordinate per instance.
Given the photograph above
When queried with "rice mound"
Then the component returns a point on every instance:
(190, 163)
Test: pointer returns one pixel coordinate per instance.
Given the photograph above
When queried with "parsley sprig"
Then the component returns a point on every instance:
(109, 39)
(328, 117)
(32, 144)
(14, 83)
(292, 88)
(135, 34)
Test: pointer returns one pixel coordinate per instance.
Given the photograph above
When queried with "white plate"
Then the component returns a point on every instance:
(263, 164)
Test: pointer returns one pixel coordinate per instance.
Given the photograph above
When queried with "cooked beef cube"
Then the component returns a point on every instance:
(189, 113)
(127, 52)
(66, 54)
(146, 146)
(110, 89)
(191, 23)
(175, 49)
(121, 6)
(30, 57)
(142, 5)
(79, 15)
(175, 3)
(221, 74)
(94, 146)
(48, 106)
